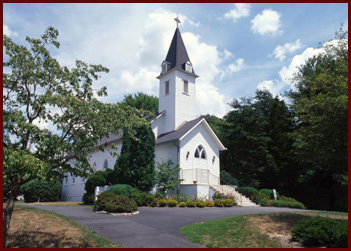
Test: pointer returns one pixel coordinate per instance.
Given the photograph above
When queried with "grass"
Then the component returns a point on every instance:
(37, 228)
(58, 203)
(252, 231)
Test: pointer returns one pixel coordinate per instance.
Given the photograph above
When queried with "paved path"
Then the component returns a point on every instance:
(153, 227)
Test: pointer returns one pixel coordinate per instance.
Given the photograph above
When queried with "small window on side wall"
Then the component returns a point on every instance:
(166, 87)
(185, 86)
(105, 164)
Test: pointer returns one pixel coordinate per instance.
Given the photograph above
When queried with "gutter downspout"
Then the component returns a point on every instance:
(178, 161)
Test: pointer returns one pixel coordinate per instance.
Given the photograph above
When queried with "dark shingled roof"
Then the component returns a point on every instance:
(177, 134)
(177, 55)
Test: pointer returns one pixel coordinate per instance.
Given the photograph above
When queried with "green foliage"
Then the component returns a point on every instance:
(42, 191)
(166, 175)
(139, 197)
(269, 192)
(320, 231)
(182, 204)
(227, 179)
(228, 202)
(88, 198)
(262, 199)
(181, 198)
(249, 192)
(108, 201)
(320, 102)
(281, 203)
(259, 142)
(201, 203)
(191, 203)
(121, 189)
(153, 203)
(172, 203)
(136, 164)
(341, 206)
(209, 203)
(93, 181)
(162, 202)
(141, 101)
(217, 195)
(150, 200)
(218, 202)
(289, 199)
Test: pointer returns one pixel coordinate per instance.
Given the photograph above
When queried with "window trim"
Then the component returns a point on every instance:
(200, 152)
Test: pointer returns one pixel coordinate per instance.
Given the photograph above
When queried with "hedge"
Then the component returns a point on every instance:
(43, 191)
(321, 231)
(121, 189)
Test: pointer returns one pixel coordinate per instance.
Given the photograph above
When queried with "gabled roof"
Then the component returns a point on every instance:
(184, 130)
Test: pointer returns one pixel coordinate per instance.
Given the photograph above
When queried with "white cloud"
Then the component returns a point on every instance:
(8, 32)
(239, 64)
(267, 23)
(273, 86)
(281, 50)
(240, 10)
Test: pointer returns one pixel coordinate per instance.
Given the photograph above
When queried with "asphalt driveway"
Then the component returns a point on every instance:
(153, 227)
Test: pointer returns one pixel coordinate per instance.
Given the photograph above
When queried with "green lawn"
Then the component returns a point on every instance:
(252, 231)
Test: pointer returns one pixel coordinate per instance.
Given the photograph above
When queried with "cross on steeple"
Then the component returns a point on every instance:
(177, 21)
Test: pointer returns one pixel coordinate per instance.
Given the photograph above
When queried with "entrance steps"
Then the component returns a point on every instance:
(241, 200)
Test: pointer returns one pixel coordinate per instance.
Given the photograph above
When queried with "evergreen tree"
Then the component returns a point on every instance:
(136, 164)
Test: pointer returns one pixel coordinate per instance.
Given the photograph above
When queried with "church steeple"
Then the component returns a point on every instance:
(177, 56)
(177, 85)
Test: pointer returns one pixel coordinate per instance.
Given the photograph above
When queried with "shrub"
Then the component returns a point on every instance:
(209, 203)
(43, 191)
(218, 203)
(227, 179)
(139, 197)
(191, 203)
(320, 231)
(289, 199)
(172, 203)
(181, 198)
(281, 203)
(162, 202)
(159, 196)
(228, 202)
(121, 189)
(182, 204)
(341, 206)
(88, 199)
(111, 202)
(153, 203)
(149, 199)
(218, 195)
(104, 200)
(249, 192)
(94, 181)
(200, 203)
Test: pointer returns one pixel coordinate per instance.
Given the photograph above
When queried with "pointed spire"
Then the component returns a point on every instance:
(177, 55)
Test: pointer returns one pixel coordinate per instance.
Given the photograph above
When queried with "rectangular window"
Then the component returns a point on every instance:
(66, 180)
(167, 88)
(73, 179)
(186, 85)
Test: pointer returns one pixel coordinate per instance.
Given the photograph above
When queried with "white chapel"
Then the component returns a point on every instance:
(180, 136)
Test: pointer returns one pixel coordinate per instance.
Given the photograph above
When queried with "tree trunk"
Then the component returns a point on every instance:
(9, 210)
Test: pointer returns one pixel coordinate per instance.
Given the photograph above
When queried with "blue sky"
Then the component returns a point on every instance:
(234, 48)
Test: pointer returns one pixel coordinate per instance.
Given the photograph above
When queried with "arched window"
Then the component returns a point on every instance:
(105, 164)
(200, 152)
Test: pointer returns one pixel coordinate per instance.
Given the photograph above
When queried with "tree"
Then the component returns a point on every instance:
(142, 101)
(320, 102)
(136, 165)
(259, 142)
(166, 176)
(37, 91)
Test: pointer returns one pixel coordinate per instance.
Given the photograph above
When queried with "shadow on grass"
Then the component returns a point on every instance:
(38, 239)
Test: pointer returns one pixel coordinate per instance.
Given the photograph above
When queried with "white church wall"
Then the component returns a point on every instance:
(158, 125)
(167, 101)
(165, 152)
(195, 191)
(185, 102)
(199, 136)
(73, 187)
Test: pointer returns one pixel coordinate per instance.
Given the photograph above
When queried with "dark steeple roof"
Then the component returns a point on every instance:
(177, 55)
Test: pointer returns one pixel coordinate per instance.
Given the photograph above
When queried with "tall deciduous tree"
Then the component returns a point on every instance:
(141, 101)
(258, 141)
(167, 176)
(136, 164)
(320, 102)
(50, 115)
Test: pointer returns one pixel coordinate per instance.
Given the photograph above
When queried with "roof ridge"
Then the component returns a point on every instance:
(181, 124)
